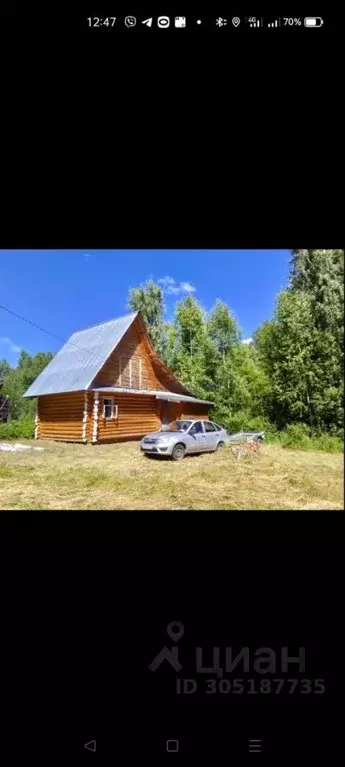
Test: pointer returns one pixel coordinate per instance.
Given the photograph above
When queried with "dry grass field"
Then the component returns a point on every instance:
(119, 477)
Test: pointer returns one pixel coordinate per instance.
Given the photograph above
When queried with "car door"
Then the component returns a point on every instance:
(211, 435)
(196, 442)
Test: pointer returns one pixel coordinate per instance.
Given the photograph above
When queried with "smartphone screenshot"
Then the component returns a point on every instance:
(171, 386)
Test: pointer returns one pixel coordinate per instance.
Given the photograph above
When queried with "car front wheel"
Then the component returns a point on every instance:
(219, 446)
(178, 452)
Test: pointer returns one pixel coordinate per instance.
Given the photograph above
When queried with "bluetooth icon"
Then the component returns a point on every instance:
(220, 22)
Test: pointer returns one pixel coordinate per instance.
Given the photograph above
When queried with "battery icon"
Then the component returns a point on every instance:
(313, 21)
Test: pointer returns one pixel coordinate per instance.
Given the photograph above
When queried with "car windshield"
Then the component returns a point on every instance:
(179, 425)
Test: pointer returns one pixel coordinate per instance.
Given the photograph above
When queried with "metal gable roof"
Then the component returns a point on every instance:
(74, 367)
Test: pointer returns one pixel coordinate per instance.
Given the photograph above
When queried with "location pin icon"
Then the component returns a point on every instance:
(175, 630)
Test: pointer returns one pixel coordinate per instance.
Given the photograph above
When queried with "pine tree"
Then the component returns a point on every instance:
(302, 348)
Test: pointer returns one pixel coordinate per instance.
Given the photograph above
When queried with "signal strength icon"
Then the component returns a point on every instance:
(253, 22)
(275, 23)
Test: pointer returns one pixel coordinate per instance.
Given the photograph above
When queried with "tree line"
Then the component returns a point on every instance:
(292, 372)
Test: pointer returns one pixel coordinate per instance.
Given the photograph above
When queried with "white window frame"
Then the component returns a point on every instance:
(114, 409)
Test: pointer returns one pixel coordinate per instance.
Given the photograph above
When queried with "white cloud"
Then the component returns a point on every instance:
(13, 346)
(187, 287)
(172, 287)
(166, 281)
(247, 341)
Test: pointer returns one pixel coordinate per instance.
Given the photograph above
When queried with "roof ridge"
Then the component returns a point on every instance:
(105, 322)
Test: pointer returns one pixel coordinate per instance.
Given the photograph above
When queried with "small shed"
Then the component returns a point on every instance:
(108, 384)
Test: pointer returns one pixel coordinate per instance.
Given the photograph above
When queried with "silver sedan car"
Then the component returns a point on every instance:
(185, 436)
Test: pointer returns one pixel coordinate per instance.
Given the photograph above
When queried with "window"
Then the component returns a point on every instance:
(208, 426)
(109, 409)
(217, 428)
(196, 428)
(179, 425)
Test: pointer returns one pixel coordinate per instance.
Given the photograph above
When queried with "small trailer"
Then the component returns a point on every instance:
(246, 443)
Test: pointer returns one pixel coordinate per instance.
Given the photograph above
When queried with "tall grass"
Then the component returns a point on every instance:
(301, 437)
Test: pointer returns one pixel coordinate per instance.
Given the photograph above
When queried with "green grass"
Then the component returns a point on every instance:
(114, 477)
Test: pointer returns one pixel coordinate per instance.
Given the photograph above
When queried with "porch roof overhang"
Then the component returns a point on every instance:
(163, 395)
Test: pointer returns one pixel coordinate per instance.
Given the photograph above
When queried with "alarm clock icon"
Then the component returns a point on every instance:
(163, 22)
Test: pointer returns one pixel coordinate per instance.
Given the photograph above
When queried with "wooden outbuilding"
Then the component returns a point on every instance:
(108, 384)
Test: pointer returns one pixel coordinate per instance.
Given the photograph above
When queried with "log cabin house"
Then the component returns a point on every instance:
(108, 384)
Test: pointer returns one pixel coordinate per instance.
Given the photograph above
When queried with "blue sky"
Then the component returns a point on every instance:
(66, 290)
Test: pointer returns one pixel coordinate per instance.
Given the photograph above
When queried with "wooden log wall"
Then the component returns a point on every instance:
(137, 415)
(73, 417)
(171, 411)
(195, 410)
(60, 416)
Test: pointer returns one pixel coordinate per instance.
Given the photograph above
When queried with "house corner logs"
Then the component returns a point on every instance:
(36, 421)
(85, 414)
(95, 417)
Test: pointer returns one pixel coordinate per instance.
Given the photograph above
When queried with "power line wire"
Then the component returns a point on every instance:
(91, 354)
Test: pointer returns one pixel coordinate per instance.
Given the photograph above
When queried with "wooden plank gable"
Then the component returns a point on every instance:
(133, 365)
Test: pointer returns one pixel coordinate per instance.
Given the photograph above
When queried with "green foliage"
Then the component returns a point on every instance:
(189, 324)
(301, 437)
(168, 345)
(296, 435)
(244, 420)
(148, 299)
(4, 368)
(222, 328)
(22, 429)
(320, 273)
(193, 358)
(302, 349)
(242, 385)
(17, 381)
